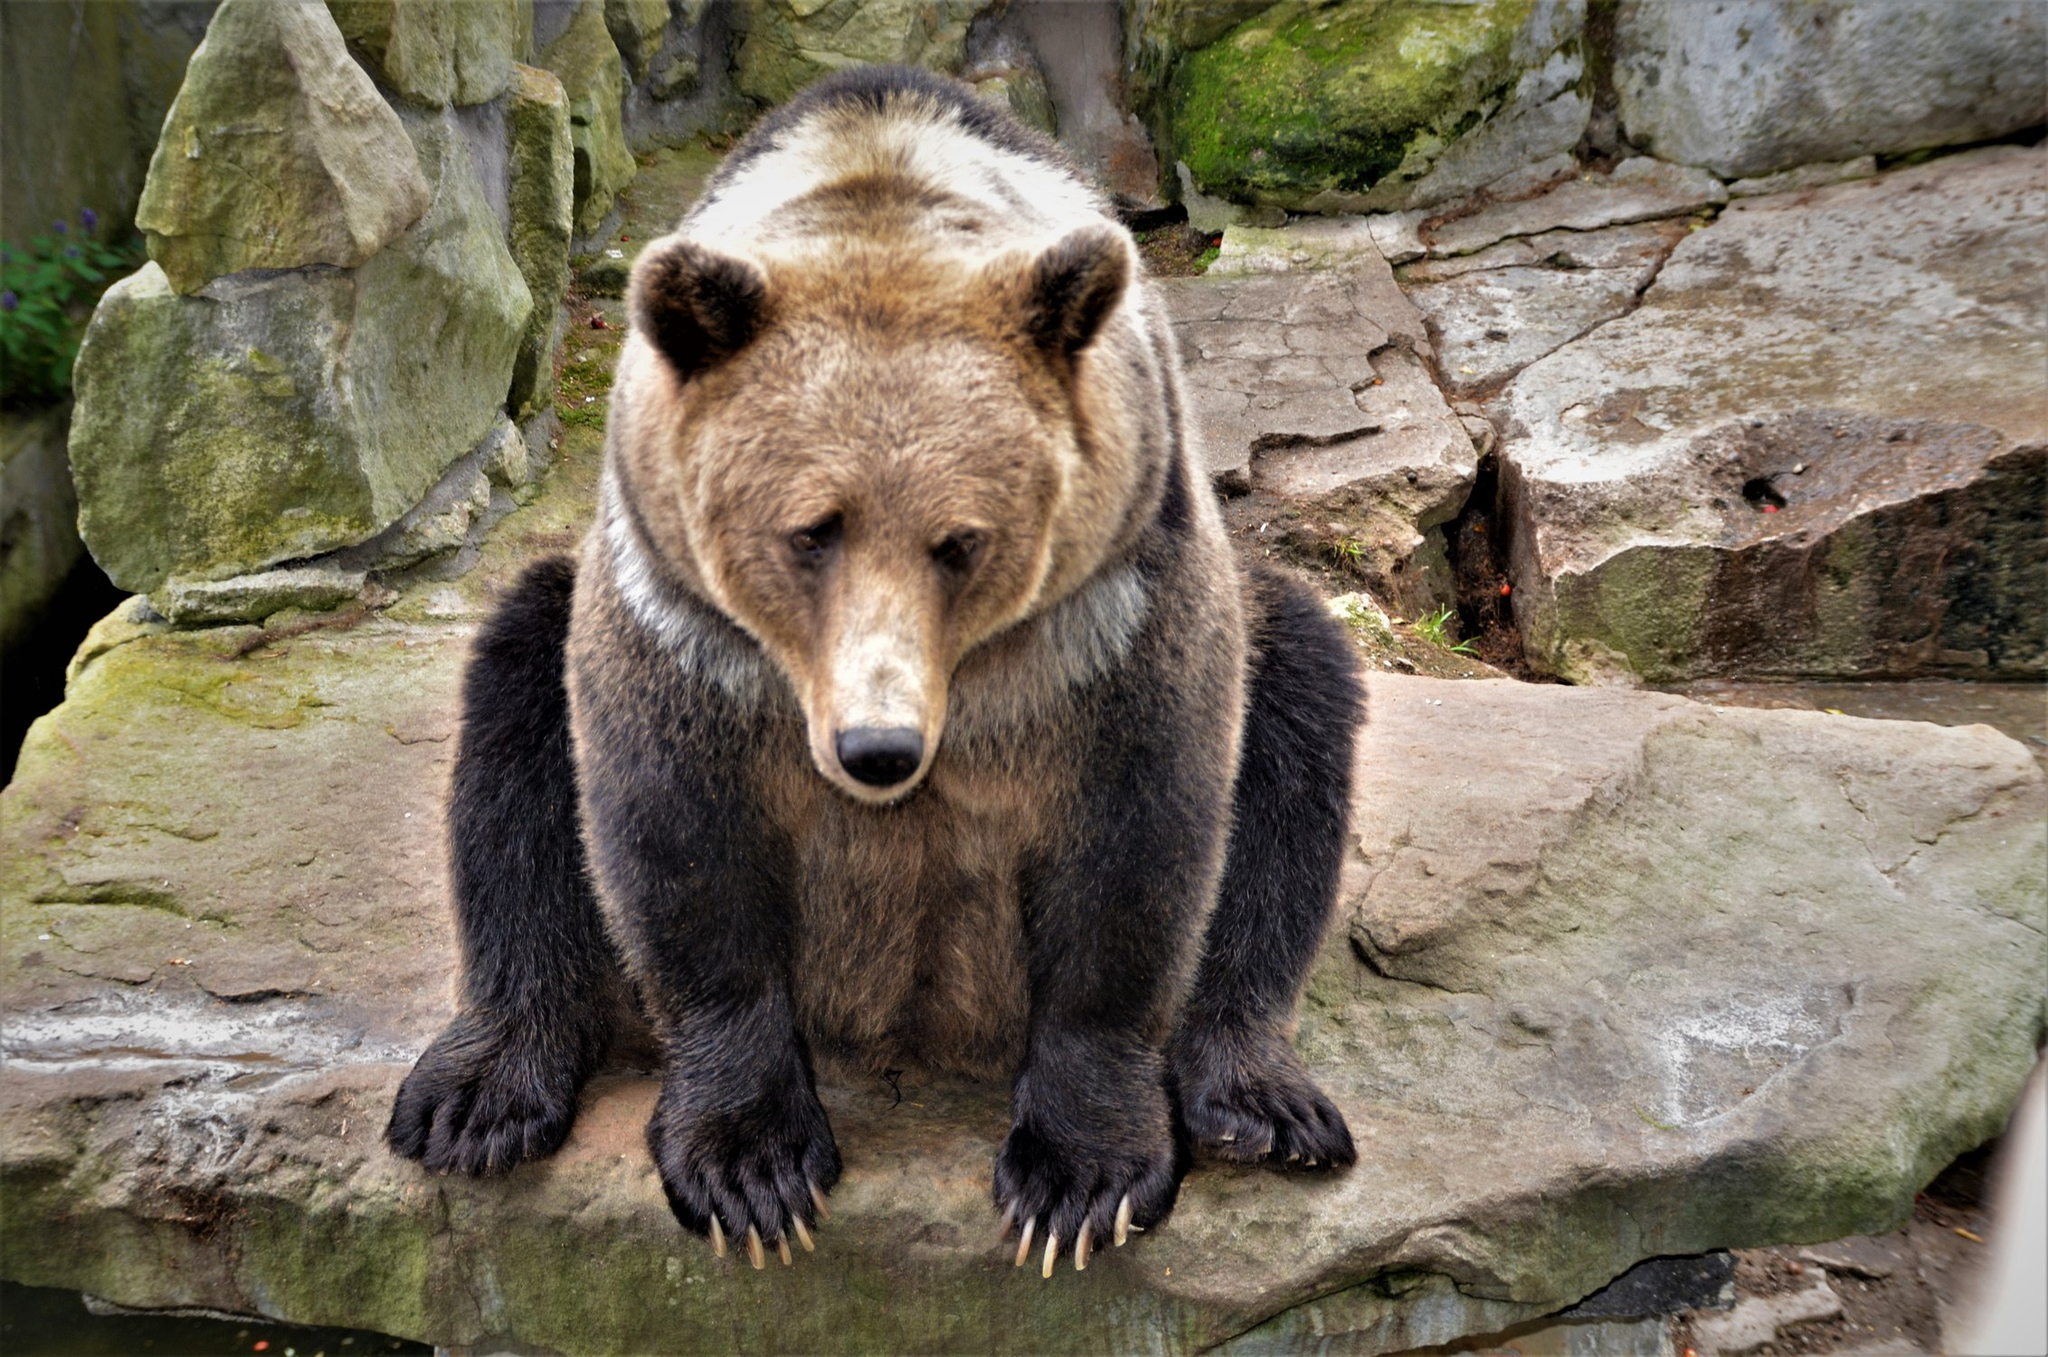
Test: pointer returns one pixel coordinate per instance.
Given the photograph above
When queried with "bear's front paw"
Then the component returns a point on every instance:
(487, 1096)
(1247, 1098)
(754, 1174)
(1073, 1187)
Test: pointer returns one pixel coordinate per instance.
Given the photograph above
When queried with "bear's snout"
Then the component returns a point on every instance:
(880, 756)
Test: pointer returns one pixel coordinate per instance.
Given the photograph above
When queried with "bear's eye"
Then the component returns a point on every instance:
(958, 551)
(812, 544)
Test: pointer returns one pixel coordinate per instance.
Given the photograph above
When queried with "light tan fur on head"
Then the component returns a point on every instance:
(875, 456)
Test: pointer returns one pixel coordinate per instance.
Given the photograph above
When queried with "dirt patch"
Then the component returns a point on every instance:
(1177, 250)
(1895, 1289)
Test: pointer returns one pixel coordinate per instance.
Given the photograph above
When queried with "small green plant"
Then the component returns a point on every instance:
(47, 291)
(1346, 550)
(1206, 258)
(1435, 629)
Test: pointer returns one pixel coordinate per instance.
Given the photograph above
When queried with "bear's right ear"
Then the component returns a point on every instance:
(699, 307)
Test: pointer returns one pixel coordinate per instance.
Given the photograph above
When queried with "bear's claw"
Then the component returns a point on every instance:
(754, 1176)
(1252, 1101)
(480, 1101)
(1079, 1195)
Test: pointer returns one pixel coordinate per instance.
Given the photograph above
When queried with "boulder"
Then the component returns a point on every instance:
(1818, 448)
(278, 415)
(587, 62)
(541, 198)
(273, 98)
(434, 53)
(1369, 106)
(1750, 87)
(637, 28)
(1307, 377)
(1681, 978)
(784, 45)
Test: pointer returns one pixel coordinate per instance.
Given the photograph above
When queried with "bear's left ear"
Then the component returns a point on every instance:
(1070, 290)
(699, 306)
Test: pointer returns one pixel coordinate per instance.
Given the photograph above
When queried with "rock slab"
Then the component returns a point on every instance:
(272, 98)
(1615, 975)
(1819, 447)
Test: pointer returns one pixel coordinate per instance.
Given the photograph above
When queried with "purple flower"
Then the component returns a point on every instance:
(71, 253)
(8, 301)
(60, 227)
(90, 218)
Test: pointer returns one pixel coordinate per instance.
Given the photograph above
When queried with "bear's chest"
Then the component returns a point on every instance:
(909, 949)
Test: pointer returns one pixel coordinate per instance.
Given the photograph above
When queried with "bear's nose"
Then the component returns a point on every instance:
(880, 756)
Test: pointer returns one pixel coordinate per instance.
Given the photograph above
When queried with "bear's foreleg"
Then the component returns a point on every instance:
(499, 1085)
(1243, 1091)
(697, 892)
(1111, 913)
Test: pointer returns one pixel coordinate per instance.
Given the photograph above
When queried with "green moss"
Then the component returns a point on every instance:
(1642, 607)
(1304, 99)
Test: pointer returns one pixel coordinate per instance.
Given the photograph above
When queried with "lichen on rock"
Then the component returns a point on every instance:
(1376, 104)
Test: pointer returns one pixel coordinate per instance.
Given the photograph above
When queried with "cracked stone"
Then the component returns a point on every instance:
(1495, 312)
(1308, 379)
(1640, 189)
(1818, 448)
(1690, 978)
(251, 598)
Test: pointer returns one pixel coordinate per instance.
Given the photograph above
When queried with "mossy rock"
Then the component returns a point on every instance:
(587, 61)
(1303, 101)
(542, 199)
(638, 28)
(432, 52)
(284, 414)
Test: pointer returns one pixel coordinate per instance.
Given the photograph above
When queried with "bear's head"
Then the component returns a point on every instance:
(875, 460)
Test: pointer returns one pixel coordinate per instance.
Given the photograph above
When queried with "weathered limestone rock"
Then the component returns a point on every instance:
(84, 86)
(1495, 312)
(1368, 106)
(637, 28)
(251, 598)
(1688, 978)
(1754, 86)
(1819, 447)
(273, 98)
(279, 415)
(431, 52)
(784, 45)
(38, 515)
(587, 61)
(541, 196)
(1307, 379)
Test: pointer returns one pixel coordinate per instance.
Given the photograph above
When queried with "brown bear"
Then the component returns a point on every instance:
(905, 709)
